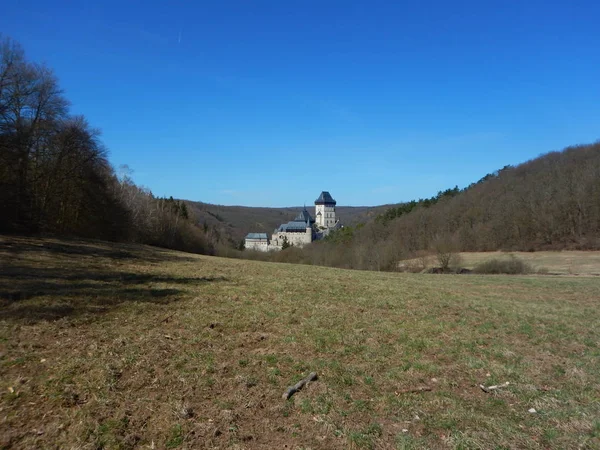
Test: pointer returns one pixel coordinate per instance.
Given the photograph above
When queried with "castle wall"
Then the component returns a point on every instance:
(297, 239)
(327, 217)
(261, 245)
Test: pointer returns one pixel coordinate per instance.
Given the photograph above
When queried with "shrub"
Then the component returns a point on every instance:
(512, 265)
(447, 255)
(545, 271)
(293, 255)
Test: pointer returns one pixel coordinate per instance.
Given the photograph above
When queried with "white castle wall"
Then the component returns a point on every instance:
(327, 217)
(297, 239)
(260, 245)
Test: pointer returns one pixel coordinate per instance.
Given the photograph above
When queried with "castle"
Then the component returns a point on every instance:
(300, 231)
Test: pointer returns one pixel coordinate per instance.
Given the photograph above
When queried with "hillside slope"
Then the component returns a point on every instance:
(551, 202)
(124, 346)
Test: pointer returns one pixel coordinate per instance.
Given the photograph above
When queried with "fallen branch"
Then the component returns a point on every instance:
(493, 388)
(166, 319)
(414, 390)
(299, 385)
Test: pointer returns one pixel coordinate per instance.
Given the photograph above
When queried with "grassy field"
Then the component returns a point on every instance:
(116, 346)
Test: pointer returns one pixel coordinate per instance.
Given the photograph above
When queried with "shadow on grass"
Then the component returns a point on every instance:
(79, 300)
(31, 291)
(30, 294)
(38, 274)
(74, 247)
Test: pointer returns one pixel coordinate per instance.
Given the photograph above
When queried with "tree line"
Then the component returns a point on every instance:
(405, 208)
(55, 176)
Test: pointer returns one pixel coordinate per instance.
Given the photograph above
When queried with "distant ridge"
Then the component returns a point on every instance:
(237, 221)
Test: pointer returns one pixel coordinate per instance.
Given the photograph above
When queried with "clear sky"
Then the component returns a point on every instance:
(266, 103)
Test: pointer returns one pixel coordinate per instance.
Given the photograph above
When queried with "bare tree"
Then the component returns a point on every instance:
(30, 103)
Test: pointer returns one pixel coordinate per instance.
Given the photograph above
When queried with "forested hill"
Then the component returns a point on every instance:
(55, 177)
(235, 222)
(551, 202)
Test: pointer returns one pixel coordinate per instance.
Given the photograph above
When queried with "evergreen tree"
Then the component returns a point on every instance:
(183, 211)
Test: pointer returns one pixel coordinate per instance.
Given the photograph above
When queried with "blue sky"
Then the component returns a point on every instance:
(266, 103)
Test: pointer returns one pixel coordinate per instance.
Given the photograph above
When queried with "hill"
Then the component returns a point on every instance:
(128, 346)
(549, 203)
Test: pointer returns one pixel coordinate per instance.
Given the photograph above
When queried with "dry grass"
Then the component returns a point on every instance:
(562, 263)
(583, 263)
(112, 346)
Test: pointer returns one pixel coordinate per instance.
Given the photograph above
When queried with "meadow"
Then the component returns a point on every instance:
(121, 346)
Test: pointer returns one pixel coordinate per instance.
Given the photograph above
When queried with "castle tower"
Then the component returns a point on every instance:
(325, 210)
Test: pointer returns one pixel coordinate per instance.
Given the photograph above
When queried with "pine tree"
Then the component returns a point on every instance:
(183, 211)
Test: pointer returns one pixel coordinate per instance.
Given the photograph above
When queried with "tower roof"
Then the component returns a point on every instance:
(302, 221)
(304, 216)
(325, 199)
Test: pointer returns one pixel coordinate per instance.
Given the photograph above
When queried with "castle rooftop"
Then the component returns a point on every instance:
(325, 199)
(304, 216)
(302, 221)
(257, 236)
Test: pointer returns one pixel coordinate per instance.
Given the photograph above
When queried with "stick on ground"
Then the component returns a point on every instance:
(166, 319)
(414, 390)
(299, 385)
(493, 388)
